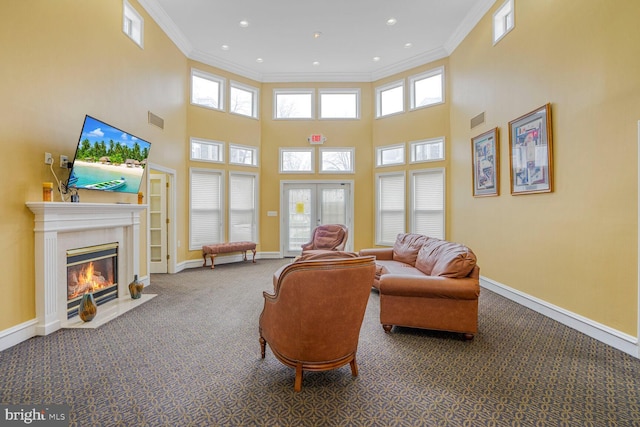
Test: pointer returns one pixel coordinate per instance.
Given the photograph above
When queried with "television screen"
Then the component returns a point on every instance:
(108, 159)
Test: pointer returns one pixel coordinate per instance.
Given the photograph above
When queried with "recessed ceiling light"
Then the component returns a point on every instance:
(316, 63)
(317, 35)
(392, 21)
(376, 58)
(244, 23)
(408, 45)
(225, 47)
(259, 60)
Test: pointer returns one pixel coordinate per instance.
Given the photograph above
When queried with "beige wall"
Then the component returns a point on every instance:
(577, 247)
(62, 60)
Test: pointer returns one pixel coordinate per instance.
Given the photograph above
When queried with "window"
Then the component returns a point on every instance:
(207, 90)
(132, 23)
(427, 88)
(340, 104)
(427, 202)
(205, 207)
(337, 160)
(296, 160)
(242, 155)
(390, 99)
(427, 150)
(293, 104)
(390, 207)
(503, 21)
(243, 202)
(243, 100)
(207, 151)
(390, 155)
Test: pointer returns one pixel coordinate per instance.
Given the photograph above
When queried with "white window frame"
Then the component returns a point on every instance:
(413, 194)
(324, 150)
(504, 20)
(381, 199)
(277, 92)
(132, 24)
(210, 142)
(255, 99)
(381, 90)
(423, 76)
(295, 149)
(380, 154)
(221, 81)
(355, 92)
(254, 155)
(413, 146)
(196, 242)
(254, 209)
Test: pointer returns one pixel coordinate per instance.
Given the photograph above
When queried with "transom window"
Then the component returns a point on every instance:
(243, 99)
(503, 21)
(207, 151)
(207, 90)
(243, 155)
(132, 23)
(337, 160)
(296, 160)
(427, 151)
(390, 155)
(339, 103)
(427, 88)
(293, 104)
(390, 99)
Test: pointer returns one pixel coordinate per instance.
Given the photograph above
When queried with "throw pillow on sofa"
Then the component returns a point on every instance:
(407, 246)
(442, 258)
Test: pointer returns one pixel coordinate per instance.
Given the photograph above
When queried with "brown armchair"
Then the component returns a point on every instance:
(312, 320)
(331, 237)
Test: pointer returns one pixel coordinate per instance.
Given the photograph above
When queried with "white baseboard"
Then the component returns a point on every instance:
(595, 330)
(17, 334)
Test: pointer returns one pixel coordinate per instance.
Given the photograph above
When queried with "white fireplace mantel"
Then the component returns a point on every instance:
(61, 226)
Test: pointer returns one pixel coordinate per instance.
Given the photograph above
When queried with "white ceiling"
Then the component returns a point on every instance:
(281, 32)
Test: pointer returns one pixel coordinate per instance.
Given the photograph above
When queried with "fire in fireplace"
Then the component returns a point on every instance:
(91, 269)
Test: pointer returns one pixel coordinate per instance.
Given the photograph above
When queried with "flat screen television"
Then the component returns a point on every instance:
(108, 159)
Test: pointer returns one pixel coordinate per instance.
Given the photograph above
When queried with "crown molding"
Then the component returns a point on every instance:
(232, 67)
(468, 24)
(167, 25)
(415, 61)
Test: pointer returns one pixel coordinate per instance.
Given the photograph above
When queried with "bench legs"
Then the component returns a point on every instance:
(212, 256)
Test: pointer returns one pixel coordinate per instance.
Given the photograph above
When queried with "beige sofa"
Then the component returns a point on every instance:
(427, 283)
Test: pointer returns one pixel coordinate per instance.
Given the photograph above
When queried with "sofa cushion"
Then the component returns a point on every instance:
(446, 259)
(407, 246)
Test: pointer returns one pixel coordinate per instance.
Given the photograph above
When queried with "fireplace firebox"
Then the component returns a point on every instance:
(91, 269)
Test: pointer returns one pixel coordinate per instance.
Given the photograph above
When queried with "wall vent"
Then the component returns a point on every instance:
(156, 120)
(477, 120)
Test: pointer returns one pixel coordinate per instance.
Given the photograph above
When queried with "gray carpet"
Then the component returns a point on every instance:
(191, 357)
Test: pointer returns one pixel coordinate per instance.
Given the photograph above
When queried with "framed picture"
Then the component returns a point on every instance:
(530, 152)
(485, 149)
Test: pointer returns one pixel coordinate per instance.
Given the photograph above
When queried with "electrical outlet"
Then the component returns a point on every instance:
(63, 161)
(48, 159)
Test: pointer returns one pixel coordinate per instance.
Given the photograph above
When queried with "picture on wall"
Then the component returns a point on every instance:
(485, 149)
(530, 152)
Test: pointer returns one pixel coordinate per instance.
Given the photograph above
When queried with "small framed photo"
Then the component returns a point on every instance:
(485, 149)
(530, 152)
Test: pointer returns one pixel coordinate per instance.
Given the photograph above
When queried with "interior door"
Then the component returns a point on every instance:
(158, 222)
(307, 205)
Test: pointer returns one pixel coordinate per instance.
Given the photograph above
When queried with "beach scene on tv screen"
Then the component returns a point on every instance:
(108, 159)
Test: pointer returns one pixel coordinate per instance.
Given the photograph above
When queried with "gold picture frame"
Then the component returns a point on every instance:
(485, 155)
(531, 152)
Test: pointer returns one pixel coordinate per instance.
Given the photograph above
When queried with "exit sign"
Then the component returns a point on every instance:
(316, 138)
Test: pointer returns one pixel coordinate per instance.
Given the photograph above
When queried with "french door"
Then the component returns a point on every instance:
(305, 205)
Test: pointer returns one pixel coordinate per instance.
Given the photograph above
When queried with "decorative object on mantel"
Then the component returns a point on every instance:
(140, 197)
(135, 288)
(87, 309)
(47, 191)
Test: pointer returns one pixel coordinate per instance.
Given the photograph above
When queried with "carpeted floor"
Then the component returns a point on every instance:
(191, 357)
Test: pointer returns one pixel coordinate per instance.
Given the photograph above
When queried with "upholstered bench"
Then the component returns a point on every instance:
(224, 248)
